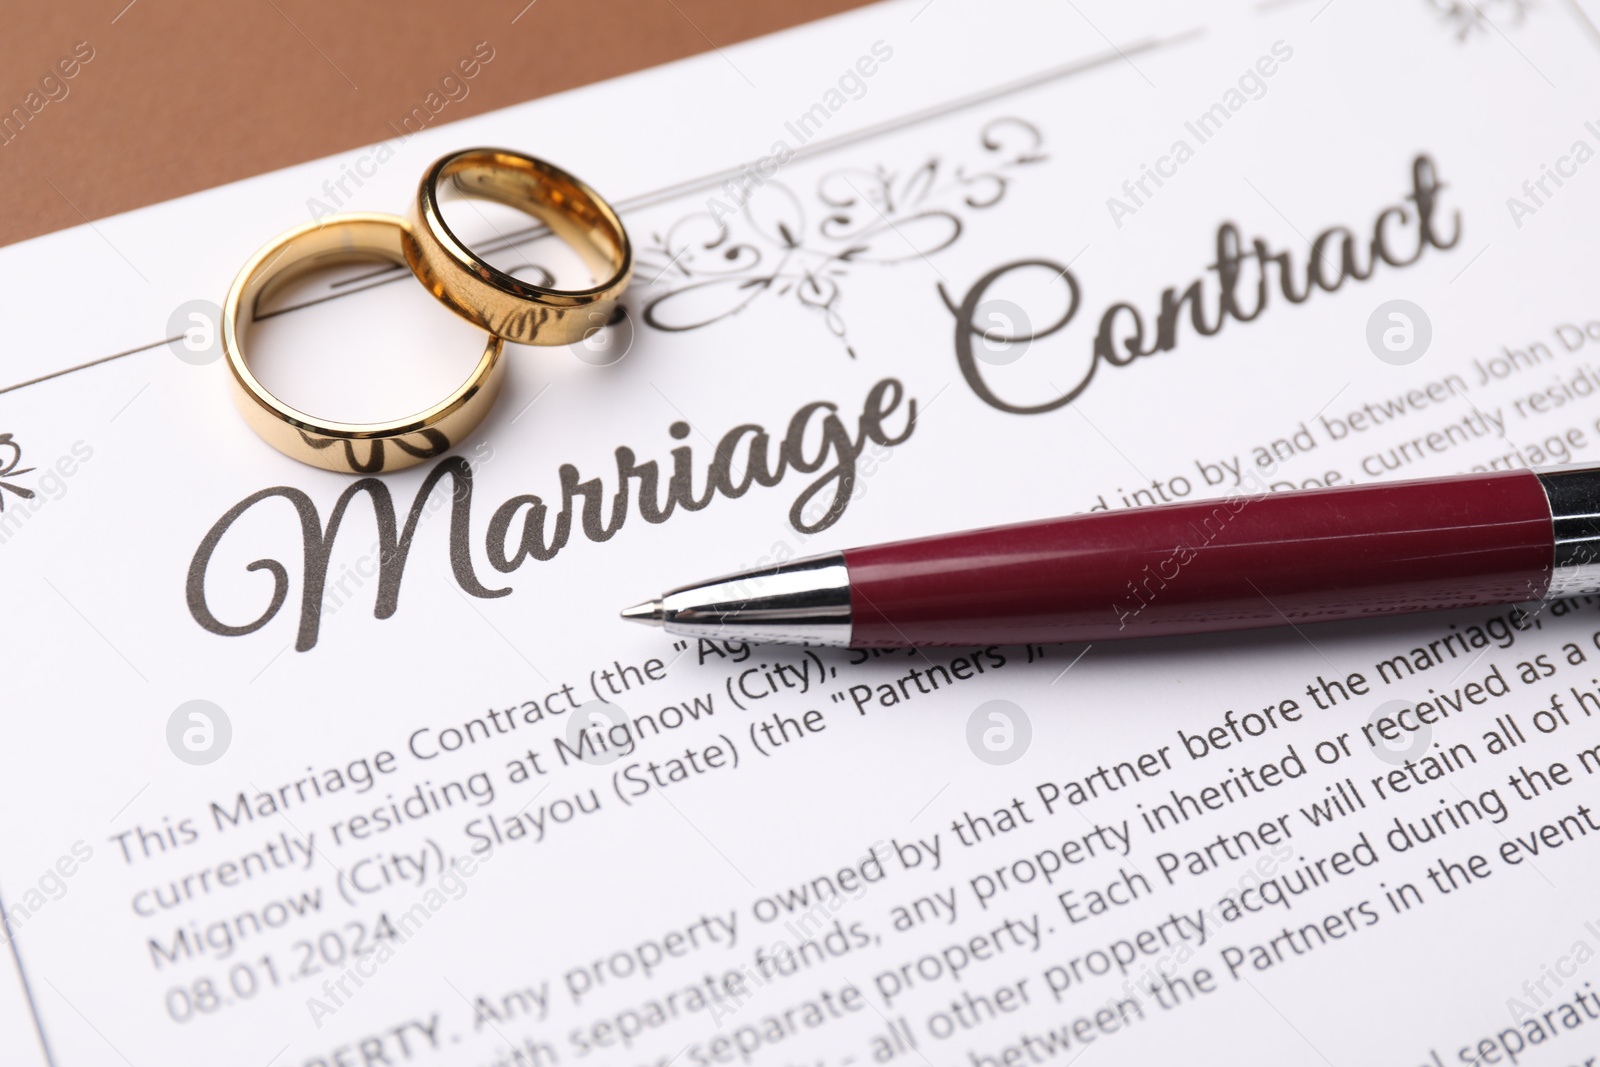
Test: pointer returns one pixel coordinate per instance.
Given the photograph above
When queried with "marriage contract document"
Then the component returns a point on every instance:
(309, 770)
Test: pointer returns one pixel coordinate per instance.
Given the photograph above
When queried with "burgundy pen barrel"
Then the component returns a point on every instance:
(1230, 564)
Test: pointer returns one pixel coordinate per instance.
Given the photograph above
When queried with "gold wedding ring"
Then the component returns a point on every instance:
(509, 308)
(493, 299)
(356, 448)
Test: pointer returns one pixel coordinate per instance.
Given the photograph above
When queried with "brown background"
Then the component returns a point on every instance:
(182, 95)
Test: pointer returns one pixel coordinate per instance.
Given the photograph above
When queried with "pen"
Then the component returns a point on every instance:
(1234, 563)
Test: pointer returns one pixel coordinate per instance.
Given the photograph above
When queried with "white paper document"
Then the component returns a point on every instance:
(301, 769)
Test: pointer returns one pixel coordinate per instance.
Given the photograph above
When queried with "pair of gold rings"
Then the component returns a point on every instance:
(509, 308)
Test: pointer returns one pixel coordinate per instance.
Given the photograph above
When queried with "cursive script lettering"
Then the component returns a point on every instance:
(745, 457)
(1124, 335)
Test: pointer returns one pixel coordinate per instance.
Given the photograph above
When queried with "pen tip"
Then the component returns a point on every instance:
(648, 613)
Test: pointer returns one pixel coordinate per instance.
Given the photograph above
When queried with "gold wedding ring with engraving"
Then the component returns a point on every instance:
(499, 302)
(507, 307)
(354, 448)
